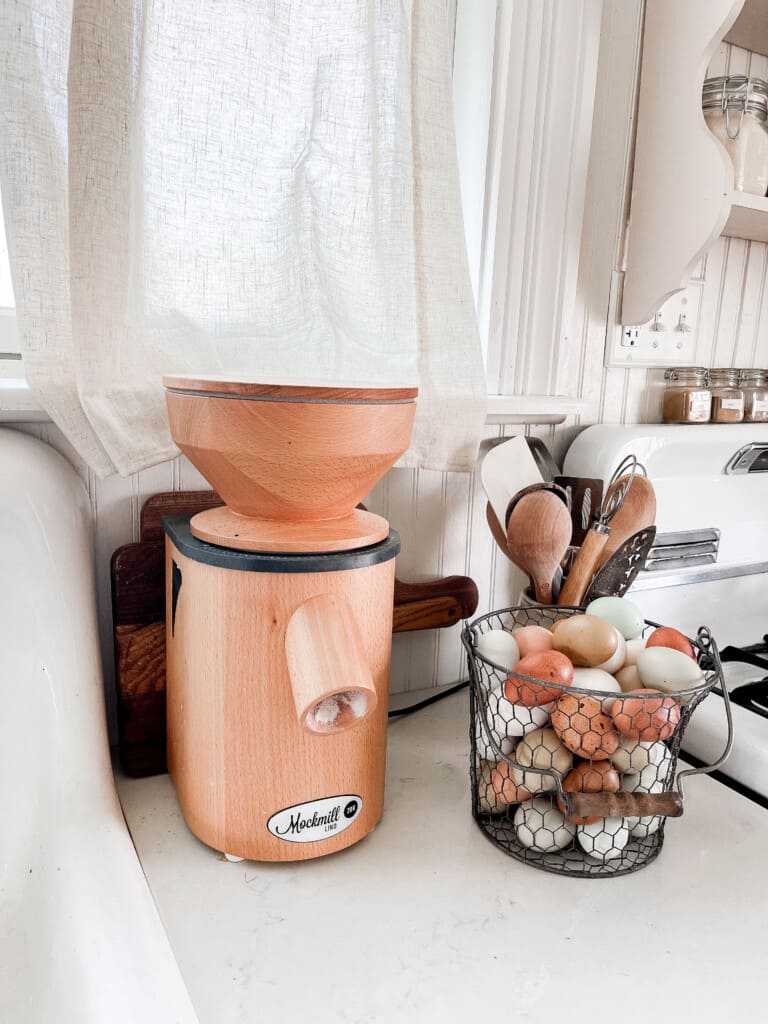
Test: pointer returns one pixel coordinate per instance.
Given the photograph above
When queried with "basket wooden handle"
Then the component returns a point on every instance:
(625, 805)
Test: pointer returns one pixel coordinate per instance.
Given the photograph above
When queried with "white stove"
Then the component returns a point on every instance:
(709, 564)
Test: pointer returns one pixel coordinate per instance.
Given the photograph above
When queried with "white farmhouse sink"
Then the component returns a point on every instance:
(81, 939)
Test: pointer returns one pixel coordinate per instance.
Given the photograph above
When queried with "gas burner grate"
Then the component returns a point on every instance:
(753, 696)
(749, 655)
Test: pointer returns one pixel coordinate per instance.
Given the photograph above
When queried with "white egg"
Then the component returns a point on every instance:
(633, 650)
(620, 612)
(654, 778)
(500, 647)
(632, 756)
(604, 839)
(661, 668)
(542, 827)
(514, 720)
(597, 679)
(616, 661)
(484, 747)
(642, 828)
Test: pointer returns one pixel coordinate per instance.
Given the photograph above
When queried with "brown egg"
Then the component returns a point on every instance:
(665, 636)
(550, 667)
(583, 727)
(532, 640)
(589, 777)
(587, 640)
(503, 786)
(648, 716)
(628, 678)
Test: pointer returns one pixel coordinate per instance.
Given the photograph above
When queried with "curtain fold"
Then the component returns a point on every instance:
(265, 189)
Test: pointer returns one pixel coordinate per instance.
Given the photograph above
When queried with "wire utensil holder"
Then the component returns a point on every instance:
(598, 815)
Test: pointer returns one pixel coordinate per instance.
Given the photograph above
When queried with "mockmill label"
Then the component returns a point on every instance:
(316, 819)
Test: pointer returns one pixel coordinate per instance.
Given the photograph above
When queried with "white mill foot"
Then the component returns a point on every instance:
(233, 859)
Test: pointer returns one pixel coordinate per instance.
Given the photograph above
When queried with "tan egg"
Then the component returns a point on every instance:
(632, 756)
(618, 658)
(542, 749)
(628, 678)
(587, 640)
(633, 650)
(530, 781)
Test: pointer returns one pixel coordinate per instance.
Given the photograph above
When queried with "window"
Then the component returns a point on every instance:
(10, 356)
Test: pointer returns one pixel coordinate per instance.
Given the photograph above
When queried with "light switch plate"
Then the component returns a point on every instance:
(667, 340)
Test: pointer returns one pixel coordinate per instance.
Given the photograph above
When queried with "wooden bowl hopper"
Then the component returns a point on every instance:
(279, 614)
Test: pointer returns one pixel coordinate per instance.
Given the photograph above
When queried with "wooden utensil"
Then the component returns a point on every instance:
(538, 534)
(637, 512)
(497, 530)
(590, 552)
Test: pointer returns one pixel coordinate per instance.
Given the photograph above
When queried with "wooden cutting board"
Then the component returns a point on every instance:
(138, 618)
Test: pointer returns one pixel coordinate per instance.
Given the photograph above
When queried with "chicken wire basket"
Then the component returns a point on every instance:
(555, 784)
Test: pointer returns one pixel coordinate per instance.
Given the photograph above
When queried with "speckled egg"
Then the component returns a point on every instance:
(662, 668)
(500, 647)
(589, 777)
(583, 726)
(587, 640)
(541, 827)
(645, 715)
(549, 667)
(621, 613)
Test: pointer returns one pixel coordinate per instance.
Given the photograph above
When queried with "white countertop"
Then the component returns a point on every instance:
(426, 921)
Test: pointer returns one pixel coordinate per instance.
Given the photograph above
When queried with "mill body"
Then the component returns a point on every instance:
(278, 651)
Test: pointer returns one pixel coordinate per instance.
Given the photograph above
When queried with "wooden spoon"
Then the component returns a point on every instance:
(637, 512)
(538, 534)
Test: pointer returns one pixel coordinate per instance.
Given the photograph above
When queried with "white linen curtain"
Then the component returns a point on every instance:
(249, 187)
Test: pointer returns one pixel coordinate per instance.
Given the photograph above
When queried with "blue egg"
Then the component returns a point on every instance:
(621, 613)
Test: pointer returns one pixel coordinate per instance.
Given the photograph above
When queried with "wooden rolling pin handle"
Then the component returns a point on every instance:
(624, 805)
(584, 567)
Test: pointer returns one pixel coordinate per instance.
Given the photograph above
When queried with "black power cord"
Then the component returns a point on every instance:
(440, 695)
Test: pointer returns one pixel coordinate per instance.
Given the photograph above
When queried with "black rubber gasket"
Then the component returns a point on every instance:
(177, 528)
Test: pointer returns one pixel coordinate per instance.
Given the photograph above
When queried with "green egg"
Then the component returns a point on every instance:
(620, 612)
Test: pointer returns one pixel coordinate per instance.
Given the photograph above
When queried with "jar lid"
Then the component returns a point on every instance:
(687, 375)
(736, 92)
(724, 375)
(754, 377)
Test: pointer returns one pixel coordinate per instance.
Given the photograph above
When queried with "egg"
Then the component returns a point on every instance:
(597, 679)
(504, 789)
(621, 613)
(633, 650)
(531, 781)
(665, 636)
(631, 755)
(513, 720)
(500, 647)
(645, 715)
(616, 661)
(541, 827)
(583, 726)
(542, 748)
(487, 747)
(661, 668)
(550, 667)
(654, 778)
(587, 640)
(628, 678)
(604, 839)
(489, 799)
(531, 640)
(642, 828)
(589, 777)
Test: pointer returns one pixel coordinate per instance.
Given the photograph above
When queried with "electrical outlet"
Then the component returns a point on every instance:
(669, 339)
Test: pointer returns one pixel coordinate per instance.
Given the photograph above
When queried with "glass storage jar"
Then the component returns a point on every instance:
(687, 399)
(754, 384)
(736, 111)
(727, 396)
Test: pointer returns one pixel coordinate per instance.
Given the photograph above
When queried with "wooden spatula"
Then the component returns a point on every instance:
(538, 534)
(637, 512)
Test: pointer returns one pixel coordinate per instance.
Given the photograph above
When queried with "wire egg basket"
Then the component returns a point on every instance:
(564, 779)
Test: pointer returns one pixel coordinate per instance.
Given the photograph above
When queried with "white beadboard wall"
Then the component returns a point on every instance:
(441, 516)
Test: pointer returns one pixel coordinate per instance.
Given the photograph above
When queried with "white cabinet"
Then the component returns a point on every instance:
(682, 190)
